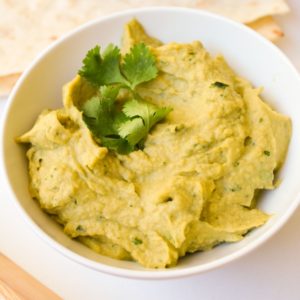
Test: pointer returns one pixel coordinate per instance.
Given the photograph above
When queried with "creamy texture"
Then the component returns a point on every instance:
(194, 184)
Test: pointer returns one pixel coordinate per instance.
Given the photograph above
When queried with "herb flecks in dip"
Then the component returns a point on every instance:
(191, 185)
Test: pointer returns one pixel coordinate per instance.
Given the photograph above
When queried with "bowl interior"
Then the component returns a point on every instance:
(248, 54)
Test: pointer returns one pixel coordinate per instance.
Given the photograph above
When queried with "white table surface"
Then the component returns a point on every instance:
(271, 272)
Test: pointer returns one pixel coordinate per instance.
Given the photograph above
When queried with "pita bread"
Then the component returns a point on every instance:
(37, 23)
(245, 11)
(7, 82)
(268, 28)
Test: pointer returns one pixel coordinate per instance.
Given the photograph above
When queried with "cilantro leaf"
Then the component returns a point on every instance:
(102, 70)
(150, 113)
(102, 118)
(117, 144)
(142, 116)
(133, 131)
(121, 130)
(90, 108)
(98, 112)
(91, 65)
(109, 92)
(110, 68)
(139, 65)
(119, 119)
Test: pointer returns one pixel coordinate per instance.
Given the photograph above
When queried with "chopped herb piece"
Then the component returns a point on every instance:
(220, 85)
(80, 228)
(267, 153)
(248, 141)
(137, 241)
(235, 189)
(169, 199)
(179, 127)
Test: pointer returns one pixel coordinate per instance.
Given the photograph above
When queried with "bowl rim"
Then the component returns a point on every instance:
(112, 270)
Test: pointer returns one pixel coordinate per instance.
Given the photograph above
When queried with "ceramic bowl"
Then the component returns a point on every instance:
(249, 54)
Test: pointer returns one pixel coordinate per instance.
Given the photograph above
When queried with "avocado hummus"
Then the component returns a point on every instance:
(193, 185)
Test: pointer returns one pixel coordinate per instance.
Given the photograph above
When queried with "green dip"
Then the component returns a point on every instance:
(194, 184)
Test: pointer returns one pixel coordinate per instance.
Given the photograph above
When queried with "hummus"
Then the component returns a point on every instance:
(195, 183)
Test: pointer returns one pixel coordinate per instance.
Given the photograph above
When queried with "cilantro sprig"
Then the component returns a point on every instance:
(122, 128)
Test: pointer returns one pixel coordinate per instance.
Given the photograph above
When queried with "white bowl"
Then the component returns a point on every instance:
(249, 54)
